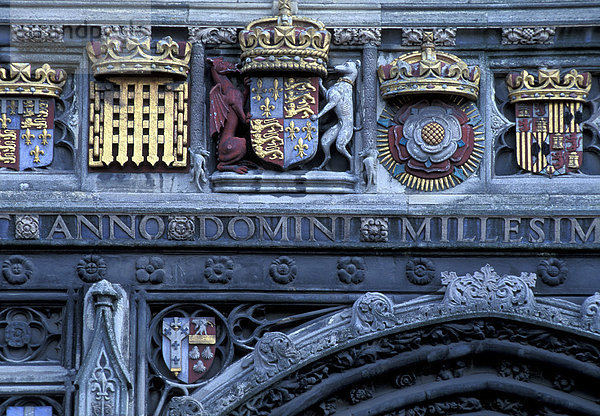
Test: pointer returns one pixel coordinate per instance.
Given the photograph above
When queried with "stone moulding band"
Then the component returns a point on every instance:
(483, 294)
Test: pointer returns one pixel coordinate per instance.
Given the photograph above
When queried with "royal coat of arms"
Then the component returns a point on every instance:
(189, 346)
(281, 131)
(548, 115)
(27, 115)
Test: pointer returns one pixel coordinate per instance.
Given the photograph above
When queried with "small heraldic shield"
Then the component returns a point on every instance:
(189, 346)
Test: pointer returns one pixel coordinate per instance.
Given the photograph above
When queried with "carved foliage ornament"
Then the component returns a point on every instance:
(430, 144)
(485, 289)
(357, 36)
(441, 36)
(213, 35)
(548, 114)
(528, 35)
(373, 312)
(273, 353)
(36, 33)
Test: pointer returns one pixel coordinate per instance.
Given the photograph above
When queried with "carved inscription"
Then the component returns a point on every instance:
(294, 229)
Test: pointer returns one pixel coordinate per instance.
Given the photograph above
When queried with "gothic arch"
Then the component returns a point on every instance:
(487, 346)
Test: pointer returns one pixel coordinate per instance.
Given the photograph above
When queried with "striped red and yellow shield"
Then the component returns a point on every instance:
(549, 139)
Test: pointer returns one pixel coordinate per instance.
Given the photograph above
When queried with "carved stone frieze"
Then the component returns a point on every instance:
(213, 35)
(351, 36)
(36, 33)
(412, 36)
(528, 35)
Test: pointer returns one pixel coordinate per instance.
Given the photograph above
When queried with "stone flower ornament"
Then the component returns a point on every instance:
(431, 138)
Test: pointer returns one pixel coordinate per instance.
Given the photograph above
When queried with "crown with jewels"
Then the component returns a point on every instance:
(285, 43)
(429, 71)
(138, 56)
(573, 86)
(18, 80)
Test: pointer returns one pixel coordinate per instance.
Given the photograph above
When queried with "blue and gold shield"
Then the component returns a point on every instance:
(26, 132)
(282, 133)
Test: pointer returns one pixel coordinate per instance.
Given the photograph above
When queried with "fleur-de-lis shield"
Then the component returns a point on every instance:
(26, 132)
(281, 132)
(189, 346)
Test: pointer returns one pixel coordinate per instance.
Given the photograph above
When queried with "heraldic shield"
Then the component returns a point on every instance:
(188, 346)
(26, 132)
(549, 138)
(548, 113)
(281, 130)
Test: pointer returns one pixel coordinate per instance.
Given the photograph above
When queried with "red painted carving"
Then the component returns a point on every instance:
(226, 112)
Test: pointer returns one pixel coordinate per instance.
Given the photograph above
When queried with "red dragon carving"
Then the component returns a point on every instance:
(226, 112)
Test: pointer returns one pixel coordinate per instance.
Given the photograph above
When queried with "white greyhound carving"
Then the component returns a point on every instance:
(340, 98)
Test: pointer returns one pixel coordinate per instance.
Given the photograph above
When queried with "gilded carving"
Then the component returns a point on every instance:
(548, 114)
(138, 121)
(430, 142)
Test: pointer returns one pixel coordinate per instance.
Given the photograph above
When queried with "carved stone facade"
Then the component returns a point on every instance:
(282, 207)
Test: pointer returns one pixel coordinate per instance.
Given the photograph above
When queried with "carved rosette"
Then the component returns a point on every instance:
(181, 228)
(373, 312)
(374, 229)
(487, 290)
(274, 353)
(27, 227)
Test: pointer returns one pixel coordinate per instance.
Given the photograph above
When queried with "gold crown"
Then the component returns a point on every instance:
(429, 71)
(17, 80)
(573, 87)
(285, 43)
(134, 56)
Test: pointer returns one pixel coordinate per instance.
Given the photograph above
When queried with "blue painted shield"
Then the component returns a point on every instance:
(282, 133)
(26, 132)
